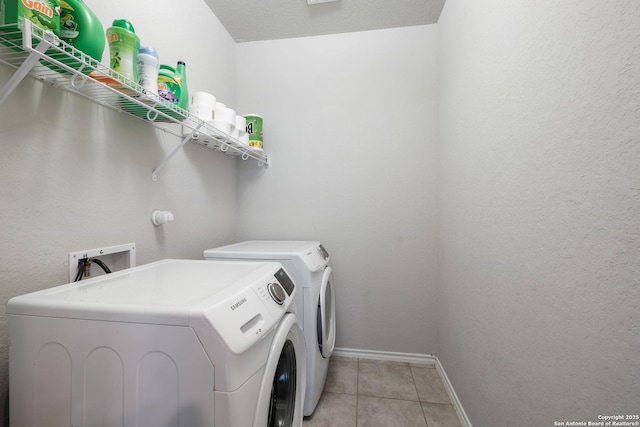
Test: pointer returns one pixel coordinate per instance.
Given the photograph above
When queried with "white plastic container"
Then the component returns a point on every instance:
(148, 66)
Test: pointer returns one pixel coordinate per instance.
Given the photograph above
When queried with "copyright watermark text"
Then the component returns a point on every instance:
(604, 421)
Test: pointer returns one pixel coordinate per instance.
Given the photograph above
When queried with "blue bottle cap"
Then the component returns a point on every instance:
(148, 50)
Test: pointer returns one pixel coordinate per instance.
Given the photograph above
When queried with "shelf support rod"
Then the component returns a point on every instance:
(25, 67)
(154, 175)
(265, 162)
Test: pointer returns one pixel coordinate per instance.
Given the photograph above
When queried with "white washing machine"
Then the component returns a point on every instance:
(171, 343)
(308, 264)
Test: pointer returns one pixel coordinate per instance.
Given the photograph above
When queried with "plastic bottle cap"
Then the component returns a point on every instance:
(123, 23)
(148, 50)
(181, 62)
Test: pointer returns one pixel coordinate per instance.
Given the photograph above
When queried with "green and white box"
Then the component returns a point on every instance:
(43, 13)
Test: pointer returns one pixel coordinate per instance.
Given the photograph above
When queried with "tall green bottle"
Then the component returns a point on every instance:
(181, 78)
(124, 45)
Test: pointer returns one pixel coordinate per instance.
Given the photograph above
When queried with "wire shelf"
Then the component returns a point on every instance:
(32, 51)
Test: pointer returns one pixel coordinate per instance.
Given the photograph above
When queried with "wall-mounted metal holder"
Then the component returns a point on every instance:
(158, 168)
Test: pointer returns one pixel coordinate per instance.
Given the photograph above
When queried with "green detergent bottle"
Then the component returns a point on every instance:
(81, 28)
(172, 87)
(124, 45)
(181, 71)
(168, 88)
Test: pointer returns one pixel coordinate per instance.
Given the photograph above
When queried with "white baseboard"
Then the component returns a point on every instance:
(429, 359)
(386, 355)
(453, 396)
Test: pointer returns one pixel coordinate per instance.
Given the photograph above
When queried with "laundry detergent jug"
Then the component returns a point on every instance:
(172, 87)
(81, 28)
(124, 45)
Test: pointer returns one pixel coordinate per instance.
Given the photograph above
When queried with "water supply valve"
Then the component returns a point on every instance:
(159, 217)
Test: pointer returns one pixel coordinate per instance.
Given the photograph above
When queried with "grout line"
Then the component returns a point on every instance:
(357, 388)
(412, 359)
(426, 422)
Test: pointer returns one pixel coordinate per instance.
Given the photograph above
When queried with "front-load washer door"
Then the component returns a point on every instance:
(326, 317)
(281, 398)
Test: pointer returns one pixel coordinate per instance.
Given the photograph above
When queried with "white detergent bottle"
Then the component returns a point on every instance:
(148, 66)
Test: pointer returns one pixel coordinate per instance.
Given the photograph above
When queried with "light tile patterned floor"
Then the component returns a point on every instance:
(375, 393)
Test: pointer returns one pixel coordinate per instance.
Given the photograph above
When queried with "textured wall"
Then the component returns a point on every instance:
(77, 176)
(350, 121)
(539, 191)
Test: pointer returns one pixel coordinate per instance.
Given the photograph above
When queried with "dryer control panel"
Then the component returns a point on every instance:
(315, 258)
(285, 281)
(323, 252)
(311, 255)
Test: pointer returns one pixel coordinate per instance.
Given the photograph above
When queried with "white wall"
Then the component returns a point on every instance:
(350, 121)
(77, 176)
(539, 191)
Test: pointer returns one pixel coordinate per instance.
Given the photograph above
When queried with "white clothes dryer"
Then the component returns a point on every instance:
(172, 343)
(308, 264)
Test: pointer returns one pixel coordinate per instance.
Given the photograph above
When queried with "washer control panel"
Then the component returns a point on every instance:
(281, 288)
(253, 308)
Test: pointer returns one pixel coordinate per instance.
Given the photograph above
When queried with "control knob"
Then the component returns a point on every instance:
(277, 293)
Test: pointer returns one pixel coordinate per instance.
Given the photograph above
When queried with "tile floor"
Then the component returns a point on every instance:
(375, 393)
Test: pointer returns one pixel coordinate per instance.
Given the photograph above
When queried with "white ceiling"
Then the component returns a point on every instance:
(252, 20)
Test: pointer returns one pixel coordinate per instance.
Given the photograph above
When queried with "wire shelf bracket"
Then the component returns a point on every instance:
(189, 137)
(28, 63)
